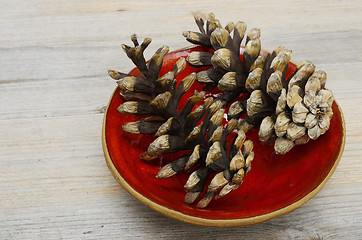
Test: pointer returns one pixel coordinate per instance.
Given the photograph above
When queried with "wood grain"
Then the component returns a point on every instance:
(54, 183)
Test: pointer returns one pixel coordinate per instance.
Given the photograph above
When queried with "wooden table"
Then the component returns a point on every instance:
(54, 57)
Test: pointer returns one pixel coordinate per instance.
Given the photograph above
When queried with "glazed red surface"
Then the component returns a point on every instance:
(274, 182)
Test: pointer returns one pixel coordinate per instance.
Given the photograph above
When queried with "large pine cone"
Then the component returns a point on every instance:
(293, 109)
(196, 129)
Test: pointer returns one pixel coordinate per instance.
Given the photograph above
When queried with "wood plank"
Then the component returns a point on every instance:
(54, 56)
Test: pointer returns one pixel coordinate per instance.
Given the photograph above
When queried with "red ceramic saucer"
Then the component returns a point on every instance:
(276, 185)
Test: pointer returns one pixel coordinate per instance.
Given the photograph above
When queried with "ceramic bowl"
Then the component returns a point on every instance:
(276, 185)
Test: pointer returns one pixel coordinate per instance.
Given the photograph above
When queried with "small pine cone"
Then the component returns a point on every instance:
(302, 108)
(294, 109)
(307, 112)
(181, 130)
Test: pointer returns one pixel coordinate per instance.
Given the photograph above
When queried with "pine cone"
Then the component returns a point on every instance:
(294, 108)
(205, 143)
